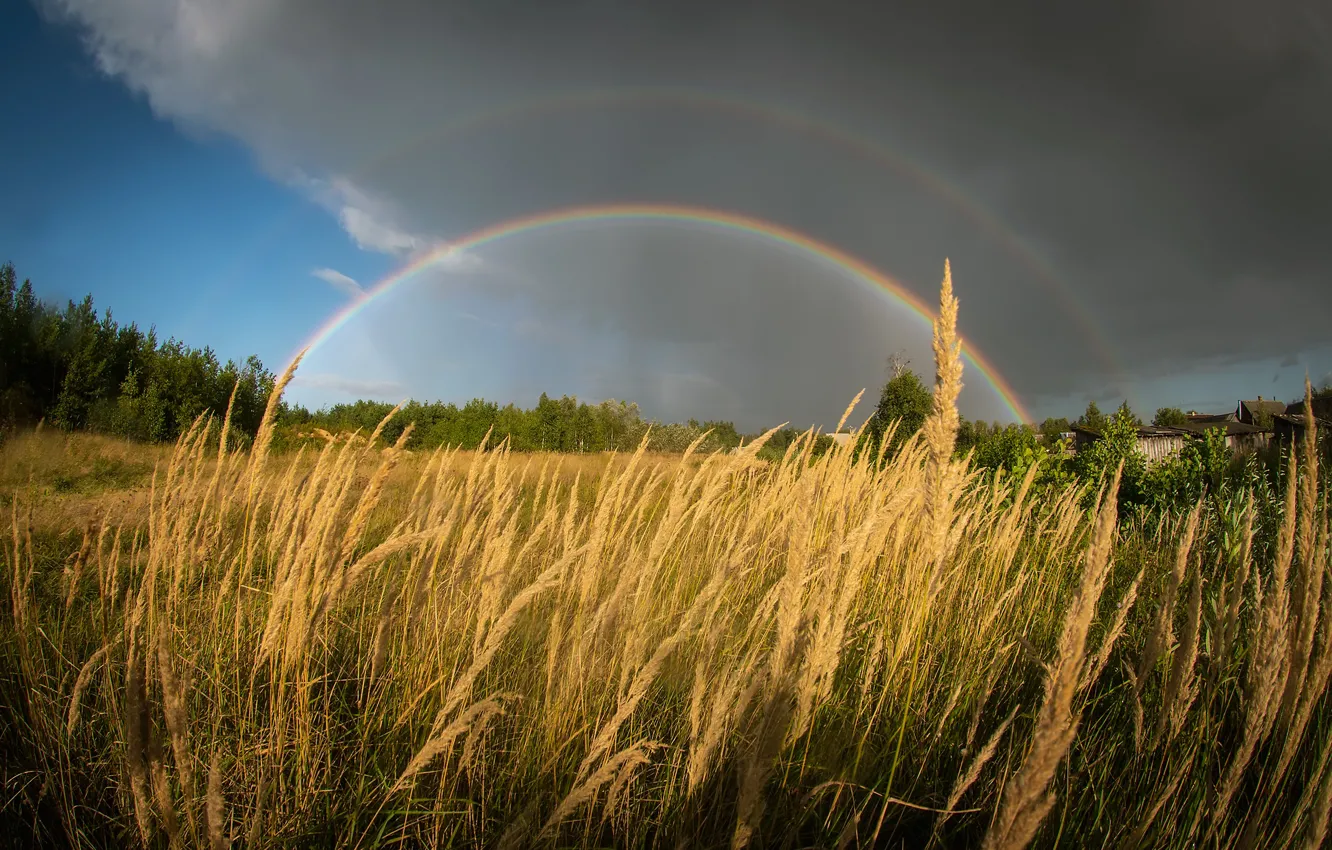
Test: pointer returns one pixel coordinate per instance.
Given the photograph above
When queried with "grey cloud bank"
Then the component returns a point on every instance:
(1164, 163)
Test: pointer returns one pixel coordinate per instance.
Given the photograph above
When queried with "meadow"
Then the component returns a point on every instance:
(354, 646)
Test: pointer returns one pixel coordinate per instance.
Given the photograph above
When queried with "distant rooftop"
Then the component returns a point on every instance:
(1142, 431)
(1270, 406)
(1200, 418)
(1232, 427)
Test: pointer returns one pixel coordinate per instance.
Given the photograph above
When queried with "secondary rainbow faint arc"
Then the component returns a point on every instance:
(798, 121)
(612, 213)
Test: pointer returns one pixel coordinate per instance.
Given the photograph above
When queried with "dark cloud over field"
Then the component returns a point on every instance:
(1146, 190)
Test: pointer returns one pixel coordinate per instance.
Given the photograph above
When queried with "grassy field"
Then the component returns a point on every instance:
(355, 647)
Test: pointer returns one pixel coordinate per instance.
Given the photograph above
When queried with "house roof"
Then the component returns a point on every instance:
(1266, 406)
(1142, 431)
(1200, 418)
(1322, 408)
(1233, 428)
(1298, 421)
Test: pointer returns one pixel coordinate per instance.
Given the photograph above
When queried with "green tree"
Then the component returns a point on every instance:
(1092, 417)
(139, 412)
(547, 424)
(1170, 417)
(85, 345)
(1125, 412)
(905, 400)
(1052, 428)
(723, 433)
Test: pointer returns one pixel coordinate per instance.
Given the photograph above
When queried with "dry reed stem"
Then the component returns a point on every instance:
(1266, 675)
(1161, 637)
(1027, 799)
(75, 571)
(259, 815)
(973, 772)
(756, 766)
(1180, 690)
(1306, 586)
(940, 430)
(166, 807)
(740, 686)
(602, 743)
(631, 758)
(1320, 669)
(1116, 631)
(137, 724)
(173, 705)
(1235, 593)
(1311, 788)
(80, 685)
(1316, 831)
(1140, 832)
(477, 716)
(462, 688)
(215, 812)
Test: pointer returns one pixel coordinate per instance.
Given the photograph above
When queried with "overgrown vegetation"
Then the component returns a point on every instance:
(849, 650)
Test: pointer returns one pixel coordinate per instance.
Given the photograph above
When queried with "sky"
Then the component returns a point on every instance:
(1135, 197)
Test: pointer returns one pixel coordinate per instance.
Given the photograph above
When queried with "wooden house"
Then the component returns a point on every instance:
(1249, 412)
(1241, 437)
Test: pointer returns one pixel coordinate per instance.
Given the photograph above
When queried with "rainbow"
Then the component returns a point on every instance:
(688, 215)
(792, 120)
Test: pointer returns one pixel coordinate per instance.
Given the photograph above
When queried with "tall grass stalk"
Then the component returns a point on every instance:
(355, 646)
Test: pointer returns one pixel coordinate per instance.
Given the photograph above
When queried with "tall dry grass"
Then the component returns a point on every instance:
(353, 647)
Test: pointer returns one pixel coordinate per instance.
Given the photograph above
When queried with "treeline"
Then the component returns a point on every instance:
(553, 425)
(78, 370)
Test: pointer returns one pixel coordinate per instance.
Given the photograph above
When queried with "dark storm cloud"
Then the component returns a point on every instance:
(1167, 159)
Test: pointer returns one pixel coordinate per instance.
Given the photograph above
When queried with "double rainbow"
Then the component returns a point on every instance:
(680, 215)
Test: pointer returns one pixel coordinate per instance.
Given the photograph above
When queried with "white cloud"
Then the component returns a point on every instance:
(372, 222)
(371, 234)
(339, 281)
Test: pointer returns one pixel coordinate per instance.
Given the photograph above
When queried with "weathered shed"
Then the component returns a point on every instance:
(1155, 442)
(1322, 408)
(1287, 428)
